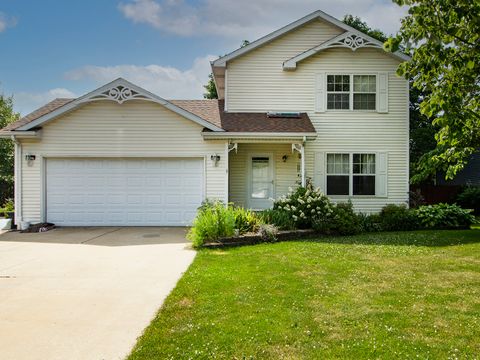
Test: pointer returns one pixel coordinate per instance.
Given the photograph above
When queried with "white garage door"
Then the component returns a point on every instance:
(120, 192)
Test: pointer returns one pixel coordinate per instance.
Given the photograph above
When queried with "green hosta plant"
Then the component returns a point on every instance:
(444, 216)
(304, 204)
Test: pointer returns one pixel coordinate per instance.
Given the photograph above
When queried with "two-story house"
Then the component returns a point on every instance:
(315, 99)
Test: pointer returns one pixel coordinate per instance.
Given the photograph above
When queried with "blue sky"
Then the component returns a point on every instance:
(58, 48)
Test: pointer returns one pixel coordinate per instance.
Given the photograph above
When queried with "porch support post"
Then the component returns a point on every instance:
(227, 175)
(300, 148)
(302, 154)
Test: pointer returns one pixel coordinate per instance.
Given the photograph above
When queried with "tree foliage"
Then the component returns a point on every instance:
(7, 116)
(357, 23)
(210, 88)
(443, 38)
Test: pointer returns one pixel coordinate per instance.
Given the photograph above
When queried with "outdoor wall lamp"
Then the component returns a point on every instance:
(30, 157)
(215, 158)
(284, 158)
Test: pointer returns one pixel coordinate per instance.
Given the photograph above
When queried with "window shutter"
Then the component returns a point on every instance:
(382, 92)
(381, 177)
(320, 93)
(319, 171)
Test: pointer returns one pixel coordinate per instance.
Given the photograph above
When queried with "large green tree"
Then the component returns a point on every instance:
(443, 38)
(7, 116)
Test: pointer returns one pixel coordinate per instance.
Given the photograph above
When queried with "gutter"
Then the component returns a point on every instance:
(18, 180)
(19, 134)
(259, 135)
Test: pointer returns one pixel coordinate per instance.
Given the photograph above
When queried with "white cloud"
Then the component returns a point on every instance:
(249, 19)
(26, 102)
(165, 81)
(6, 21)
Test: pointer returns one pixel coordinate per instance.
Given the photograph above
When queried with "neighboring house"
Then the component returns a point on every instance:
(315, 99)
(469, 176)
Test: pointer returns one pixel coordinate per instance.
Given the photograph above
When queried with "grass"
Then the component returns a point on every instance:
(384, 295)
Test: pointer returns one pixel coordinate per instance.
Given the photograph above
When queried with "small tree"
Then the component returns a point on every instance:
(7, 116)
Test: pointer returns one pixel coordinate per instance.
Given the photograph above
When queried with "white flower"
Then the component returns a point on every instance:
(313, 211)
(301, 201)
(294, 208)
(294, 217)
(290, 189)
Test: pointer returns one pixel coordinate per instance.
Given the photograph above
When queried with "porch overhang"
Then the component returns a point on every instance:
(244, 137)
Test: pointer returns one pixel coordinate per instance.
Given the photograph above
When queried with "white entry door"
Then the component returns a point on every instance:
(123, 192)
(261, 183)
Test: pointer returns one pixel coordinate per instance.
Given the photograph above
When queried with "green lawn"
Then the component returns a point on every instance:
(386, 295)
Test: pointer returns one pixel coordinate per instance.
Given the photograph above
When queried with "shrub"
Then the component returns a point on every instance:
(305, 204)
(8, 207)
(398, 218)
(246, 220)
(469, 198)
(370, 222)
(280, 218)
(345, 221)
(214, 220)
(444, 216)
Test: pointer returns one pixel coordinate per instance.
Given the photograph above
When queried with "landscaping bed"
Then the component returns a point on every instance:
(306, 211)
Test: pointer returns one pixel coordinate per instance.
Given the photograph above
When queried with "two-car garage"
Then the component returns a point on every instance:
(123, 192)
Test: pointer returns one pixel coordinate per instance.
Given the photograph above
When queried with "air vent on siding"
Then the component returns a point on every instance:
(293, 115)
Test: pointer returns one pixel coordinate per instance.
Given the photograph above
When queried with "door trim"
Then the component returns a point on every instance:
(250, 155)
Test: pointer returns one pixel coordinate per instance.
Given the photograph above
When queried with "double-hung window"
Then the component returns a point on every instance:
(338, 92)
(351, 174)
(351, 92)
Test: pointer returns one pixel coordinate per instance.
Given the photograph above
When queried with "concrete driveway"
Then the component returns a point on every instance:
(84, 293)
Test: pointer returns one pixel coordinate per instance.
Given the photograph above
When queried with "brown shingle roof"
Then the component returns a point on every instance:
(212, 111)
(209, 110)
(48, 108)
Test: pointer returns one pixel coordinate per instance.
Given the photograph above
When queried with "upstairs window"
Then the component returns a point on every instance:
(338, 92)
(364, 92)
(351, 92)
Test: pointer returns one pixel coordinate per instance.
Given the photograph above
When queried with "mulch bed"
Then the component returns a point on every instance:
(252, 239)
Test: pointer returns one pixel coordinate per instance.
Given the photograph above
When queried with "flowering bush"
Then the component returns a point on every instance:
(304, 204)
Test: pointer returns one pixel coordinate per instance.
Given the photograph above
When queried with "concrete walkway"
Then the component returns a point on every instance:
(84, 293)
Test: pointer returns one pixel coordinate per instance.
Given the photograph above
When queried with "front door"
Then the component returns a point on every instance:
(260, 180)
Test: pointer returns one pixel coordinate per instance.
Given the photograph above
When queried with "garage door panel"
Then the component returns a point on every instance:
(116, 192)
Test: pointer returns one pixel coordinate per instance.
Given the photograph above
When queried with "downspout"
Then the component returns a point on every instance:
(18, 180)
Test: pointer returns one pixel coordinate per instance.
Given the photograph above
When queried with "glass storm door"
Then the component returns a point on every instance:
(261, 184)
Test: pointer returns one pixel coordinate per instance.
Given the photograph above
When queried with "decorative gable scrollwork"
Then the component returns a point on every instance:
(120, 94)
(353, 42)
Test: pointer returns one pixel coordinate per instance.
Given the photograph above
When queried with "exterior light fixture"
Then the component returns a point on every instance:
(215, 159)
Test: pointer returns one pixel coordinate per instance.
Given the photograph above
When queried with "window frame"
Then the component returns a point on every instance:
(351, 92)
(351, 174)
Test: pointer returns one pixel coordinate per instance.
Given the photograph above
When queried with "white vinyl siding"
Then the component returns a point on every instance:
(104, 129)
(381, 131)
